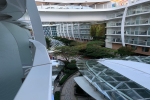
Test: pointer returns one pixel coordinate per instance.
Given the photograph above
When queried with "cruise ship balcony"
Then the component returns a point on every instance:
(138, 43)
(139, 10)
(38, 83)
(139, 33)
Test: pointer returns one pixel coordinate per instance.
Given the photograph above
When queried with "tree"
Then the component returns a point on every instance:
(125, 51)
(96, 51)
(67, 52)
(48, 42)
(98, 31)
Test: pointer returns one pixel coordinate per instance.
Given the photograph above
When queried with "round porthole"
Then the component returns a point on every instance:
(4, 17)
(3, 4)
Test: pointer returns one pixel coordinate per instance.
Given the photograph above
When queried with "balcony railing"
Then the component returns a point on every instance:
(138, 22)
(146, 32)
(114, 32)
(115, 40)
(117, 15)
(144, 9)
(38, 83)
(114, 24)
(135, 42)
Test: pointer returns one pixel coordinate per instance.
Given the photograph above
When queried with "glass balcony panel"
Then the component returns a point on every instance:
(143, 33)
(144, 21)
(142, 42)
(148, 43)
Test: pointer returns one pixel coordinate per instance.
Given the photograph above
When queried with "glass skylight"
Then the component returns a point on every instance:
(115, 85)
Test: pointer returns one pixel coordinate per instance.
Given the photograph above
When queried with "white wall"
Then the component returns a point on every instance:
(10, 65)
(72, 16)
(22, 39)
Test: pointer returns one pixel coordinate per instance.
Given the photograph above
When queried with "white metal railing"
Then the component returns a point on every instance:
(134, 1)
(140, 42)
(116, 15)
(114, 24)
(137, 22)
(114, 40)
(63, 7)
(118, 32)
(38, 83)
(143, 9)
(144, 32)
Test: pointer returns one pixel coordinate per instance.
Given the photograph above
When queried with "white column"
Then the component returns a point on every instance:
(67, 32)
(122, 26)
(35, 21)
(64, 31)
(79, 31)
(72, 31)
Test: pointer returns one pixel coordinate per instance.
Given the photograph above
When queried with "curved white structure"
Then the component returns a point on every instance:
(18, 55)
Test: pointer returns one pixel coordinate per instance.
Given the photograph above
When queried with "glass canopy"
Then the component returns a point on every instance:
(112, 84)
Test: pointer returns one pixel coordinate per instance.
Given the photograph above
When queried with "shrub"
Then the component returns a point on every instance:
(99, 52)
(73, 61)
(98, 43)
(125, 51)
(72, 66)
(63, 80)
(57, 95)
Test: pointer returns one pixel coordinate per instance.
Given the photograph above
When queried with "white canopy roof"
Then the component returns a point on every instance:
(136, 71)
(85, 85)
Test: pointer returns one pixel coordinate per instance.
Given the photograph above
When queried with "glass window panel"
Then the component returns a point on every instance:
(133, 85)
(123, 86)
(107, 78)
(95, 71)
(114, 83)
(131, 94)
(114, 96)
(121, 78)
(96, 80)
(143, 92)
(112, 73)
(89, 76)
(99, 69)
(104, 86)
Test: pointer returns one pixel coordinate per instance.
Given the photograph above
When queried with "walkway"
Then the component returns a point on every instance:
(68, 89)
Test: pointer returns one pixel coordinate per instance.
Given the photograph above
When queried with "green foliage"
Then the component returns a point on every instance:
(125, 51)
(67, 52)
(98, 43)
(81, 48)
(63, 80)
(72, 66)
(48, 42)
(57, 95)
(69, 69)
(98, 31)
(67, 42)
(99, 52)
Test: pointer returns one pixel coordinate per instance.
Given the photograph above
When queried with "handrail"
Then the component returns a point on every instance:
(38, 83)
